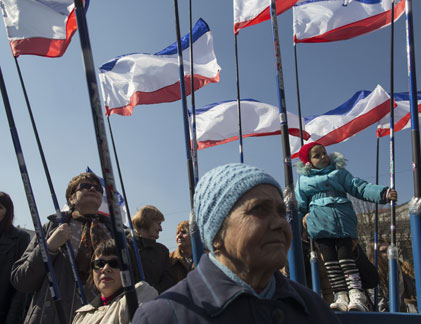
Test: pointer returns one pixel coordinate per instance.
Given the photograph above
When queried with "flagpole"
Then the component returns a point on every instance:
(415, 204)
(52, 282)
(237, 76)
(392, 250)
(193, 103)
(314, 266)
(197, 246)
(69, 248)
(129, 219)
(106, 166)
(295, 253)
(376, 226)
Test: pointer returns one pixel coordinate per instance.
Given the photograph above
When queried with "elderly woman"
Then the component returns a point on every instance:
(154, 256)
(84, 228)
(109, 306)
(181, 259)
(241, 217)
(13, 243)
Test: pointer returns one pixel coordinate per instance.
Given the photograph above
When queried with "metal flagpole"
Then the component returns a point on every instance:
(392, 251)
(295, 254)
(237, 76)
(376, 226)
(129, 219)
(55, 293)
(197, 246)
(415, 204)
(52, 191)
(104, 155)
(314, 266)
(193, 104)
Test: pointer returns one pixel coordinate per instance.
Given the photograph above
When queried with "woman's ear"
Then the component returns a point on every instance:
(217, 246)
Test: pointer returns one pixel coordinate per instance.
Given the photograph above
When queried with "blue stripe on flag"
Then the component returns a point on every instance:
(206, 108)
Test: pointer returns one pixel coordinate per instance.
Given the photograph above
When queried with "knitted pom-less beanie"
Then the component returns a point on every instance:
(305, 150)
(217, 192)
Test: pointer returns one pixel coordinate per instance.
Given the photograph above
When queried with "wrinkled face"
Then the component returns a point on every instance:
(87, 198)
(153, 230)
(107, 277)
(2, 212)
(318, 157)
(183, 239)
(257, 234)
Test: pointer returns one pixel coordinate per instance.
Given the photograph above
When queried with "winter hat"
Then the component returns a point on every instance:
(305, 150)
(217, 192)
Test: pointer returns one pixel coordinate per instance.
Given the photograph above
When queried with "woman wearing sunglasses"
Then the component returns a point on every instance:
(110, 305)
(84, 228)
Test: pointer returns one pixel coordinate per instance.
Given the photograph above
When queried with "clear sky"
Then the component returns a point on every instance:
(150, 143)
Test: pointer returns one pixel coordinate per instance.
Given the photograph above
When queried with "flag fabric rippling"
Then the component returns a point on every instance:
(252, 12)
(363, 109)
(401, 113)
(327, 21)
(136, 79)
(217, 123)
(40, 27)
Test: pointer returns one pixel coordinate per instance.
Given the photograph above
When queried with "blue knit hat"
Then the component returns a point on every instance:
(217, 192)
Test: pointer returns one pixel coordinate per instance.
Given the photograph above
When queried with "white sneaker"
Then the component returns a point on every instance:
(341, 301)
(357, 301)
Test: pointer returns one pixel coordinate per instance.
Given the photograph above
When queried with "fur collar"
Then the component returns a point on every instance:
(337, 161)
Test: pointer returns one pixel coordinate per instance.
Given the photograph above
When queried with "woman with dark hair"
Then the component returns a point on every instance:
(13, 243)
(109, 306)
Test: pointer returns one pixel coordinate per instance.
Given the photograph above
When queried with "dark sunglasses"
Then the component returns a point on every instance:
(88, 186)
(100, 263)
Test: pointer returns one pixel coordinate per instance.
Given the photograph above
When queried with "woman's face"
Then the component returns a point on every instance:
(183, 239)
(3, 211)
(87, 197)
(153, 230)
(257, 235)
(383, 250)
(106, 275)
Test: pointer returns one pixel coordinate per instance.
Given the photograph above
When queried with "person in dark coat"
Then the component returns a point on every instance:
(13, 243)
(84, 228)
(242, 221)
(182, 258)
(154, 256)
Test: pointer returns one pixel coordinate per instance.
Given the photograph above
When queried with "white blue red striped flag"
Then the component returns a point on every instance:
(42, 28)
(217, 123)
(328, 21)
(252, 12)
(401, 114)
(337, 125)
(137, 79)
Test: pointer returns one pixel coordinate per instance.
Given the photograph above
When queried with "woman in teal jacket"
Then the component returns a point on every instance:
(330, 219)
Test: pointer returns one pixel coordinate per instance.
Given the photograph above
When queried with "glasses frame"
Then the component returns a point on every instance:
(88, 186)
(99, 264)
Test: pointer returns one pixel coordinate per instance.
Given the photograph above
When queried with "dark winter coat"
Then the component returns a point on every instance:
(207, 295)
(13, 243)
(155, 261)
(29, 275)
(180, 268)
(322, 193)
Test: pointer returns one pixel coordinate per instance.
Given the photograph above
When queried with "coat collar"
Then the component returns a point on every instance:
(214, 291)
(176, 257)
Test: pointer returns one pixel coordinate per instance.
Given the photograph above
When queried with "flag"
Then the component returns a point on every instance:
(252, 12)
(363, 109)
(217, 123)
(42, 28)
(137, 79)
(401, 114)
(328, 21)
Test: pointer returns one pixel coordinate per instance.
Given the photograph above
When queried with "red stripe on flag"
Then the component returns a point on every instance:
(167, 94)
(357, 28)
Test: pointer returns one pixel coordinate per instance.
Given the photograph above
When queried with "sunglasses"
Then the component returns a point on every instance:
(88, 186)
(100, 263)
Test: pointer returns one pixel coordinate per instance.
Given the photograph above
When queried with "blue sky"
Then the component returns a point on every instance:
(150, 143)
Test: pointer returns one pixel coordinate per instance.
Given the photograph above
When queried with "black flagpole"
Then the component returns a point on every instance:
(106, 166)
(52, 282)
(237, 77)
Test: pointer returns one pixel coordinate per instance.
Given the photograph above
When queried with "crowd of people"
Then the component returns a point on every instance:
(241, 217)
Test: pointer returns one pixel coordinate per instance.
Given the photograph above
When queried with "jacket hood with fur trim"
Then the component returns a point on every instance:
(337, 161)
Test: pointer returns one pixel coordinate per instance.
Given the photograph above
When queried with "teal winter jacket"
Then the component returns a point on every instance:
(322, 193)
